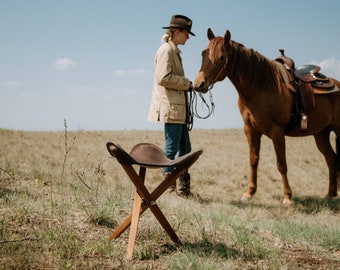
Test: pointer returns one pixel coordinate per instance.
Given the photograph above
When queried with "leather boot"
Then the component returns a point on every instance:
(184, 185)
(172, 188)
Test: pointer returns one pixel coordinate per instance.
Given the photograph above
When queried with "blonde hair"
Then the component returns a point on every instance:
(168, 35)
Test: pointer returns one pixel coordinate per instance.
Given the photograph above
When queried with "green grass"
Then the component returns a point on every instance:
(60, 201)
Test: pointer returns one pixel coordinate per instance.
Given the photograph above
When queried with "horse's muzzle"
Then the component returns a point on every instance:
(201, 88)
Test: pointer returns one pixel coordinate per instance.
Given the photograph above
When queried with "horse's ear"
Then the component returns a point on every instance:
(227, 36)
(210, 33)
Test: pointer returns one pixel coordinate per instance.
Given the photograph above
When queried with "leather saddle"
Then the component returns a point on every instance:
(307, 82)
(311, 74)
(150, 156)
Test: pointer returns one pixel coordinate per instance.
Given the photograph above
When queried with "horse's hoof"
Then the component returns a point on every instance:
(331, 195)
(245, 198)
(287, 201)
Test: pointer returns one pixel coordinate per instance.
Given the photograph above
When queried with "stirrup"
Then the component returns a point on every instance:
(304, 119)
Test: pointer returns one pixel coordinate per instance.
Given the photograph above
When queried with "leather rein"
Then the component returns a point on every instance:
(193, 101)
(193, 107)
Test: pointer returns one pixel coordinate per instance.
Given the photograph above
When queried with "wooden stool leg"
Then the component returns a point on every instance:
(135, 217)
(122, 227)
(164, 223)
(134, 225)
(154, 195)
(151, 203)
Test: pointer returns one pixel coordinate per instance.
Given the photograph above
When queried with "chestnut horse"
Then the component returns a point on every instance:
(266, 105)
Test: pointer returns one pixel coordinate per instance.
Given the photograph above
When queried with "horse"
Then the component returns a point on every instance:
(266, 104)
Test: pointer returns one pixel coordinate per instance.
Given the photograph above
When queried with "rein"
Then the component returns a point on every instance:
(193, 107)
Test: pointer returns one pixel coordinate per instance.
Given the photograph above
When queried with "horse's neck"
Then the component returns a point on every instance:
(250, 72)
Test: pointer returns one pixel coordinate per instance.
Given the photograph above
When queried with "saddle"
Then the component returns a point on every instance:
(307, 82)
(311, 74)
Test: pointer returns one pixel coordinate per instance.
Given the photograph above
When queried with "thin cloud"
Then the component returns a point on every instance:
(329, 66)
(11, 83)
(64, 63)
(131, 72)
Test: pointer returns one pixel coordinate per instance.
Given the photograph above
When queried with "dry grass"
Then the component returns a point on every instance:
(61, 197)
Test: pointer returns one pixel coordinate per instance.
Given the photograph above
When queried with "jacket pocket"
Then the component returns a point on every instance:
(177, 112)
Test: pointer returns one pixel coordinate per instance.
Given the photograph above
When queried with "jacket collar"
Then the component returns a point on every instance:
(174, 47)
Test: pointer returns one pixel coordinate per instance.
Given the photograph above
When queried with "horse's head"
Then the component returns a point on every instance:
(214, 62)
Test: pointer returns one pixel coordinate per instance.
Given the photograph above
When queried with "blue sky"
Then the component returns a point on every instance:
(91, 62)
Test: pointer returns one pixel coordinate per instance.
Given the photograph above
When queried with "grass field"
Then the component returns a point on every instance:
(62, 195)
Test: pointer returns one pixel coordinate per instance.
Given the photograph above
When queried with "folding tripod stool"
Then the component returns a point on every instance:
(148, 155)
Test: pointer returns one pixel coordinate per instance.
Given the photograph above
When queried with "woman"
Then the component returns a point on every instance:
(169, 103)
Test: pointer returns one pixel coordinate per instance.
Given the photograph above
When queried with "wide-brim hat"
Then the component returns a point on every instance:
(180, 22)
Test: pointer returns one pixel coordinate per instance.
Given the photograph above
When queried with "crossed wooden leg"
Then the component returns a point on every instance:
(143, 201)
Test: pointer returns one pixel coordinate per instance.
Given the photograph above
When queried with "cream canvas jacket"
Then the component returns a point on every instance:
(168, 102)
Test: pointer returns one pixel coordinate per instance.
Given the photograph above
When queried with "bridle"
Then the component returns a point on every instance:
(193, 107)
(193, 101)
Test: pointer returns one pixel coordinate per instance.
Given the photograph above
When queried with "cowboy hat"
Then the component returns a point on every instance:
(180, 22)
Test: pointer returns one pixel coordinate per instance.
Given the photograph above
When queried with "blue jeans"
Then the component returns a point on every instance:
(176, 141)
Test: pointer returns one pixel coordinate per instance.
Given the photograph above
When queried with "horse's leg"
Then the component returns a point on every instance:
(337, 152)
(254, 141)
(325, 147)
(280, 150)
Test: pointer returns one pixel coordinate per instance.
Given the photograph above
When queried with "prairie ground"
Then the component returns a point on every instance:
(62, 195)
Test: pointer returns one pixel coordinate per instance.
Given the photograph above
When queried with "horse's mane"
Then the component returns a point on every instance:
(250, 63)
